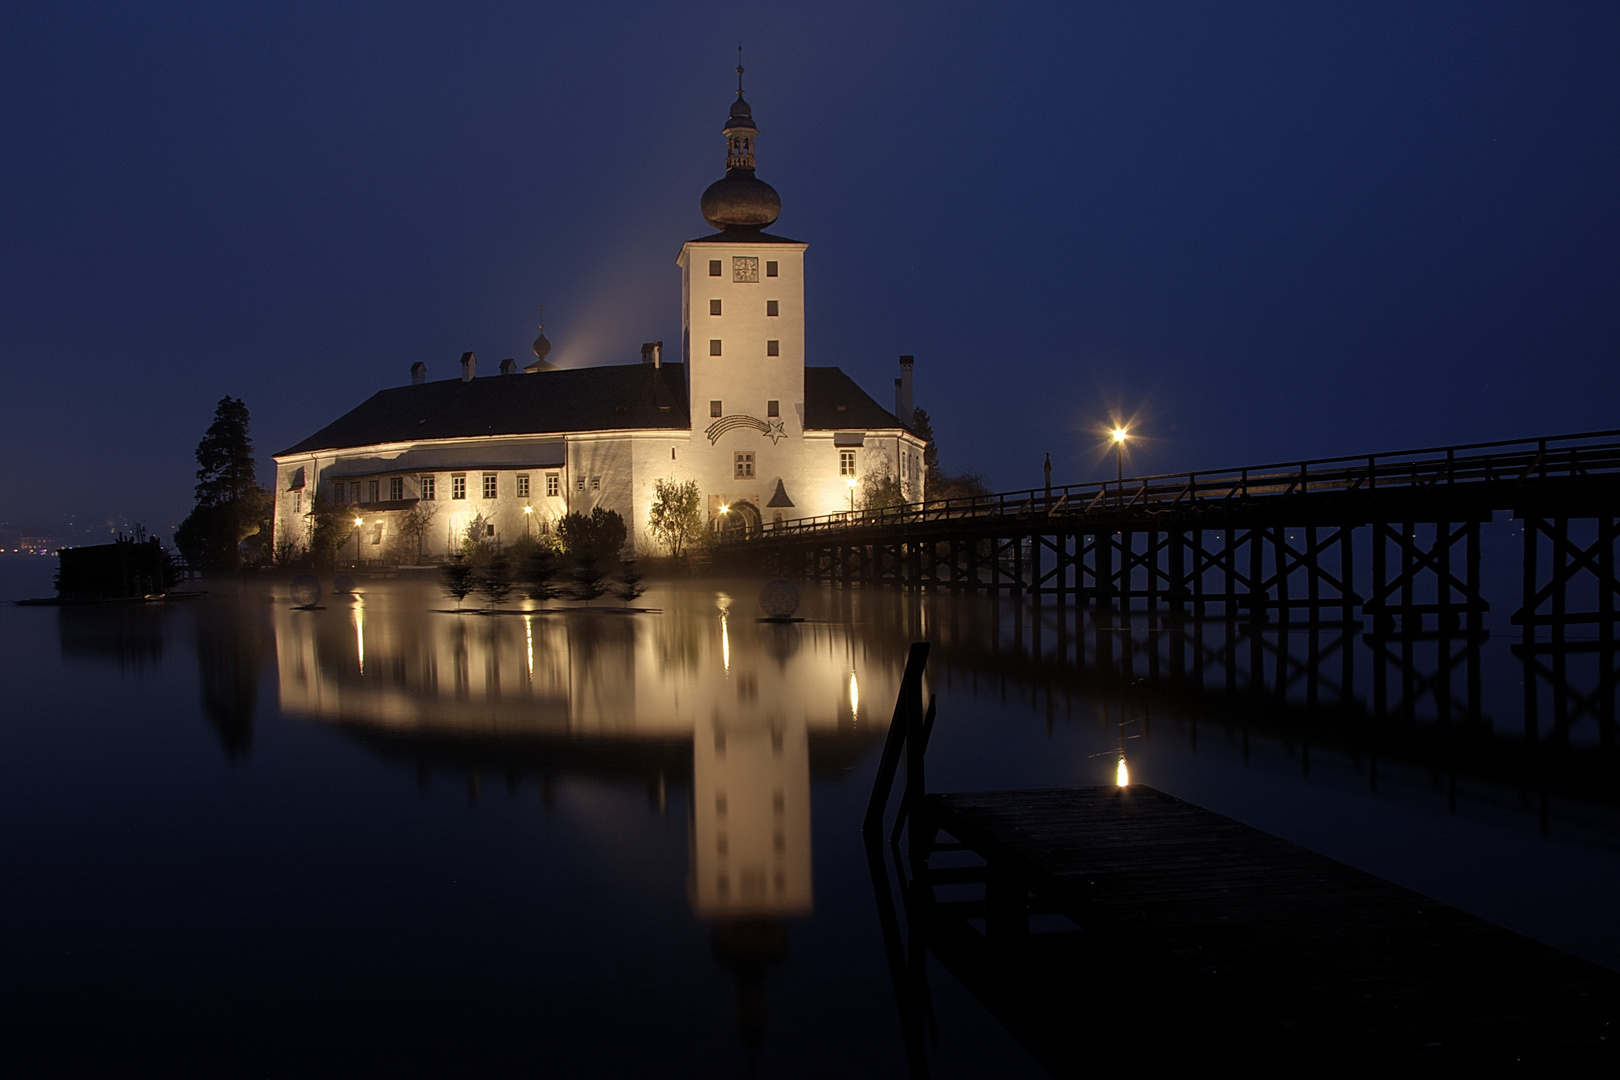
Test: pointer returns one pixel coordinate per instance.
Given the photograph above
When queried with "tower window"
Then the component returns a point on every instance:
(773, 348)
(714, 267)
(714, 408)
(714, 307)
(770, 268)
(773, 408)
(744, 462)
(596, 483)
(714, 346)
(770, 308)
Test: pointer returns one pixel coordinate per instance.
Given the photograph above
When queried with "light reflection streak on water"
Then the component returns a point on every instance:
(528, 639)
(1122, 775)
(854, 698)
(360, 635)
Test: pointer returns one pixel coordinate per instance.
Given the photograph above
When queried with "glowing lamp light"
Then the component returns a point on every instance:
(1120, 433)
(1122, 775)
(528, 509)
(358, 522)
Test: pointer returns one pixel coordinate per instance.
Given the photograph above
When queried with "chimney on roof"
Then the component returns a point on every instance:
(469, 366)
(508, 366)
(652, 352)
(418, 373)
(902, 395)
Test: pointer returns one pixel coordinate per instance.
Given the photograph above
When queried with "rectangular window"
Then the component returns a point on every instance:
(354, 492)
(427, 488)
(771, 308)
(396, 488)
(744, 463)
(773, 348)
(714, 346)
(579, 485)
(298, 502)
(714, 408)
(596, 483)
(458, 487)
(770, 268)
(714, 267)
(714, 307)
(489, 485)
(773, 408)
(523, 485)
(372, 487)
(553, 485)
(846, 463)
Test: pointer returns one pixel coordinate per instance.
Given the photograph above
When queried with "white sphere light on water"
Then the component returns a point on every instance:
(779, 599)
(306, 590)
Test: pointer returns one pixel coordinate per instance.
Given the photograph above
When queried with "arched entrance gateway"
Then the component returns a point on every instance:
(740, 519)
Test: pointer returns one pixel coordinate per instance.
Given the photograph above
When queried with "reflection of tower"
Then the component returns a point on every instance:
(750, 816)
(750, 864)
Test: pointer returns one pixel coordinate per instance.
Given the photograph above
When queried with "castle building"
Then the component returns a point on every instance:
(766, 437)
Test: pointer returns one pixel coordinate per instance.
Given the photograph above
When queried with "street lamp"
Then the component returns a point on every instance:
(851, 482)
(527, 510)
(357, 523)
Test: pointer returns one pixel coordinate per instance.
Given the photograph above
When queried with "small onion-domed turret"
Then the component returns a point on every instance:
(739, 200)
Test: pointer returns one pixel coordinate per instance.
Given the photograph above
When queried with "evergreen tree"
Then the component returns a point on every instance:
(627, 584)
(456, 577)
(494, 578)
(231, 506)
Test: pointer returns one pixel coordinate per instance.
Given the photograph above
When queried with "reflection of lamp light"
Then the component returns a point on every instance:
(854, 698)
(1122, 775)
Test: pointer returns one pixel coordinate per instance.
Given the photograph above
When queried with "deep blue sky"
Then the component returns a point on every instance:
(1270, 231)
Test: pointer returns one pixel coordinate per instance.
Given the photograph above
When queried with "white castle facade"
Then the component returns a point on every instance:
(766, 437)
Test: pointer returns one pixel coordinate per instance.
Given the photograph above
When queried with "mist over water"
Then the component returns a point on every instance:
(385, 838)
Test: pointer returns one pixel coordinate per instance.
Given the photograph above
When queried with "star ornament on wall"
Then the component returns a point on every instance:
(777, 432)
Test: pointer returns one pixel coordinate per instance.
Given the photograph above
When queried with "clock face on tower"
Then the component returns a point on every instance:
(744, 268)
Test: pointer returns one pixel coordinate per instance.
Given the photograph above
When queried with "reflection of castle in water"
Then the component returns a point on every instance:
(750, 708)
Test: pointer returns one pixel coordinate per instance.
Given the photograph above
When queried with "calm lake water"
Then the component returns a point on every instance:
(383, 838)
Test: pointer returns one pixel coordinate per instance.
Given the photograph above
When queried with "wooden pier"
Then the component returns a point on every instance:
(1122, 927)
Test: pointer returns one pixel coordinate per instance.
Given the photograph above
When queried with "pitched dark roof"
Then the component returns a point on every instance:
(743, 236)
(547, 402)
(827, 388)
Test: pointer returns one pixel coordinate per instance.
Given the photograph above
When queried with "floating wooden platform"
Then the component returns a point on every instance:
(1329, 963)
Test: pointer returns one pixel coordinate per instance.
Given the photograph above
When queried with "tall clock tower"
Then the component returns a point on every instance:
(742, 316)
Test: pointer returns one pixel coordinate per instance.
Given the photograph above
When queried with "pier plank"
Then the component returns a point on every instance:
(1347, 962)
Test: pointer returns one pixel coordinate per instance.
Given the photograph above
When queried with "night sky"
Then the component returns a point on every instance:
(1264, 231)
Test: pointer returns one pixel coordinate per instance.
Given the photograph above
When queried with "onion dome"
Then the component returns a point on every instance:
(738, 200)
(541, 345)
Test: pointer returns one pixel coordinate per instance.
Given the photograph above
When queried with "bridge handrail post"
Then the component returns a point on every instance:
(907, 703)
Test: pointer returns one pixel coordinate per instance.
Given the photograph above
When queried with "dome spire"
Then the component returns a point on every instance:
(739, 200)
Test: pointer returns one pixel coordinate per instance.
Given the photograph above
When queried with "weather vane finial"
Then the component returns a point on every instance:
(739, 71)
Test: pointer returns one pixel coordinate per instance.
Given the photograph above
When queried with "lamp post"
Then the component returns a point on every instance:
(851, 482)
(357, 523)
(1119, 459)
(528, 511)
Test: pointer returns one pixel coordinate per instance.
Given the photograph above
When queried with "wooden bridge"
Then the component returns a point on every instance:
(1393, 537)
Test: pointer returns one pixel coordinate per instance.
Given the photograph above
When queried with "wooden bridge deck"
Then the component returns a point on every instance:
(1334, 961)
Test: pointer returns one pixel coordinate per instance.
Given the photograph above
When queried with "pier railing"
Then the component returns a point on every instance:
(1510, 462)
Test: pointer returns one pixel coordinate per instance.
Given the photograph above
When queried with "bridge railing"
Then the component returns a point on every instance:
(1508, 461)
